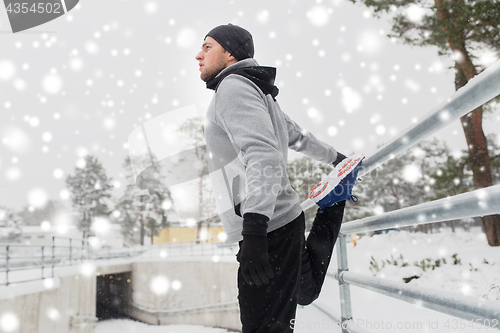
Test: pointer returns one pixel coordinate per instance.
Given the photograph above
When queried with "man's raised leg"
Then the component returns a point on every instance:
(317, 251)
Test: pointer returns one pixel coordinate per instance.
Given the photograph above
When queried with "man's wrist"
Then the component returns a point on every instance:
(254, 224)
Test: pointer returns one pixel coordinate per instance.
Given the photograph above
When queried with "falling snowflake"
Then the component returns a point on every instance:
(332, 131)
(159, 285)
(48, 283)
(412, 85)
(351, 100)
(52, 83)
(109, 123)
(58, 173)
(186, 38)
(92, 47)
(7, 70)
(45, 225)
(411, 173)
(13, 173)
(37, 197)
(318, 16)
(378, 210)
(19, 84)
(370, 41)
(9, 322)
(151, 7)
(380, 129)
(53, 313)
(87, 269)
(16, 139)
(358, 144)
(176, 285)
(47, 136)
(222, 236)
(414, 13)
(76, 64)
(263, 16)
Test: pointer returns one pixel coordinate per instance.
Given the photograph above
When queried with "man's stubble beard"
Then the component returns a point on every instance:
(212, 72)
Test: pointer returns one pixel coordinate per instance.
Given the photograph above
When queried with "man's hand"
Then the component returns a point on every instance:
(340, 158)
(254, 260)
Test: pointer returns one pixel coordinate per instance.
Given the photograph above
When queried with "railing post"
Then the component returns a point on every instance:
(7, 266)
(53, 255)
(70, 247)
(83, 247)
(345, 291)
(42, 260)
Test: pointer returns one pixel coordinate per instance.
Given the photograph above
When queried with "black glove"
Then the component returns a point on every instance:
(340, 158)
(254, 260)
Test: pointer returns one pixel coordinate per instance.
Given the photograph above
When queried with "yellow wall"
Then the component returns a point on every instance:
(176, 234)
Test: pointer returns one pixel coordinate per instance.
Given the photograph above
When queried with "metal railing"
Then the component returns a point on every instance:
(41, 260)
(22, 257)
(194, 247)
(486, 201)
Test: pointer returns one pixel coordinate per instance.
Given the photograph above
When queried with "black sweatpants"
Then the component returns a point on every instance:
(299, 267)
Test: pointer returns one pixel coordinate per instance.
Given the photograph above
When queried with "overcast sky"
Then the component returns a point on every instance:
(81, 83)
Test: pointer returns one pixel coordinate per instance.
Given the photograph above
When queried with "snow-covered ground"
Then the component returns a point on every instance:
(472, 266)
(474, 271)
(476, 275)
(130, 326)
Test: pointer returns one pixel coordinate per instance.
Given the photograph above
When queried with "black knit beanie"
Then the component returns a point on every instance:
(234, 39)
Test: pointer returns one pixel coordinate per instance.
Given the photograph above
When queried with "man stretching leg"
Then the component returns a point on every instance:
(247, 130)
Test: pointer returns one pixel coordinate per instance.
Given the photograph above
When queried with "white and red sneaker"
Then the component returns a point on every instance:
(337, 186)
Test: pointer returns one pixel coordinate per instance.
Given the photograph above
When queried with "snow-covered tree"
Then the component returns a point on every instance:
(89, 189)
(304, 173)
(37, 215)
(404, 180)
(460, 29)
(9, 225)
(143, 206)
(207, 212)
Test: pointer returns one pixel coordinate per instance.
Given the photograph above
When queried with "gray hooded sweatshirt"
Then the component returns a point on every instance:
(248, 136)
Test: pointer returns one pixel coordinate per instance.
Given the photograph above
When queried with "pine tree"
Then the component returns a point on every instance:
(10, 221)
(143, 206)
(403, 181)
(89, 189)
(459, 28)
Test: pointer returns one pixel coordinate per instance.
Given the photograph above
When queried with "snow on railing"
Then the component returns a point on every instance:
(486, 201)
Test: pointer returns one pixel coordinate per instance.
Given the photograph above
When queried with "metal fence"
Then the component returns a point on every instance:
(486, 201)
(37, 262)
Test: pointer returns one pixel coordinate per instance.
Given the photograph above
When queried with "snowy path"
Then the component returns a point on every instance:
(309, 319)
(129, 326)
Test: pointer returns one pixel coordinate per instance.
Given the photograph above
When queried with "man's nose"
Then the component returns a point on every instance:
(198, 56)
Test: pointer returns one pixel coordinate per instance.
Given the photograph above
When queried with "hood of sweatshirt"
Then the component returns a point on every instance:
(262, 76)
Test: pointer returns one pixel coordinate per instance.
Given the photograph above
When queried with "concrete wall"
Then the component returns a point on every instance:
(57, 310)
(202, 283)
(185, 293)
